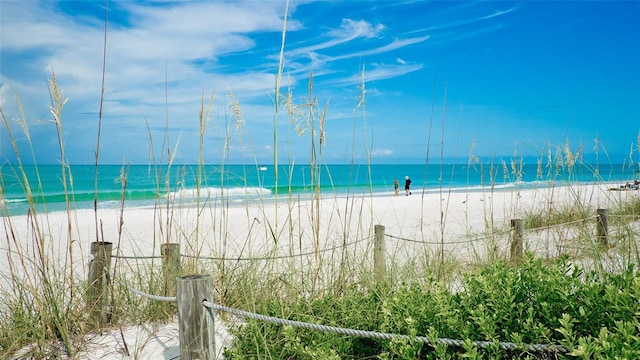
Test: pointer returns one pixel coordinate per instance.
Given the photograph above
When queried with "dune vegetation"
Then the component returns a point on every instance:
(579, 299)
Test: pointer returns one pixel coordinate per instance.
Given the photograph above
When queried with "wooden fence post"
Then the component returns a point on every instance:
(195, 322)
(603, 227)
(98, 290)
(170, 266)
(516, 239)
(379, 266)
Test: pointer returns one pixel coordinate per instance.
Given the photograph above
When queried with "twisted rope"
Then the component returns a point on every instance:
(633, 216)
(435, 242)
(136, 257)
(273, 257)
(149, 296)
(245, 258)
(353, 332)
(562, 224)
(379, 335)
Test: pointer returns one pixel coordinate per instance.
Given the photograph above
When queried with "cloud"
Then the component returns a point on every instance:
(318, 63)
(376, 73)
(462, 21)
(159, 61)
(378, 153)
(210, 18)
(394, 45)
(497, 13)
(5, 93)
(349, 30)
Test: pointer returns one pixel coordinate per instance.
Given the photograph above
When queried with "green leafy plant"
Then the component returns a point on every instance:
(553, 303)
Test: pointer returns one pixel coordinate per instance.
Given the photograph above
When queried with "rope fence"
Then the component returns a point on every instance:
(149, 296)
(218, 258)
(467, 241)
(126, 257)
(281, 257)
(547, 227)
(428, 242)
(633, 216)
(379, 335)
(187, 302)
(194, 292)
(516, 233)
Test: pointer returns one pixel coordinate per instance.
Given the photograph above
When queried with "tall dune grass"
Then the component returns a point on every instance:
(43, 309)
(45, 312)
(42, 290)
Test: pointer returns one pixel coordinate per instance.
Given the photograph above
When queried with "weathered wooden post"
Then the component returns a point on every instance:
(516, 239)
(195, 322)
(170, 266)
(379, 265)
(602, 227)
(98, 290)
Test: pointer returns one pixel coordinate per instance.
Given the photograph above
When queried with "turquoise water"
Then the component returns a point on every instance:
(149, 185)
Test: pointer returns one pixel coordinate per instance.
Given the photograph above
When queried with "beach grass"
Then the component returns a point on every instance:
(311, 259)
(45, 311)
(43, 292)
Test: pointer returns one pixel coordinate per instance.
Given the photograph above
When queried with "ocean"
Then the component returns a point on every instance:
(147, 186)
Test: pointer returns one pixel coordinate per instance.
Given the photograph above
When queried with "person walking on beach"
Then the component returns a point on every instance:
(396, 186)
(407, 185)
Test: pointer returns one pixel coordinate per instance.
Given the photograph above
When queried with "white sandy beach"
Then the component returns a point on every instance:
(457, 220)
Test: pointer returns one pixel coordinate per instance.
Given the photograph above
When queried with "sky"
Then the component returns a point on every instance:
(388, 81)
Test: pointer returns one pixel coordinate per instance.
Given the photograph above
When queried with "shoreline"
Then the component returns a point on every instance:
(434, 213)
(252, 196)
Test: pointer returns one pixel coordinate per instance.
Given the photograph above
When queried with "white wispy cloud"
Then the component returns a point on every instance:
(381, 153)
(462, 21)
(498, 13)
(376, 73)
(5, 95)
(351, 29)
(348, 31)
(394, 45)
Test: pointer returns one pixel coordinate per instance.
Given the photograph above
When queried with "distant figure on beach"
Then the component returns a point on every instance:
(628, 186)
(396, 186)
(407, 185)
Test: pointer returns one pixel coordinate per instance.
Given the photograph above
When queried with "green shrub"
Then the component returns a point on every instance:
(593, 315)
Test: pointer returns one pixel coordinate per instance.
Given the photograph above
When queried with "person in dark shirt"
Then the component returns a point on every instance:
(407, 185)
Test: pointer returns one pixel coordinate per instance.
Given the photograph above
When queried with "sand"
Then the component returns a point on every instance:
(459, 221)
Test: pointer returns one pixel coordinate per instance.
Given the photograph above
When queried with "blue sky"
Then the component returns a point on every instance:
(441, 78)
